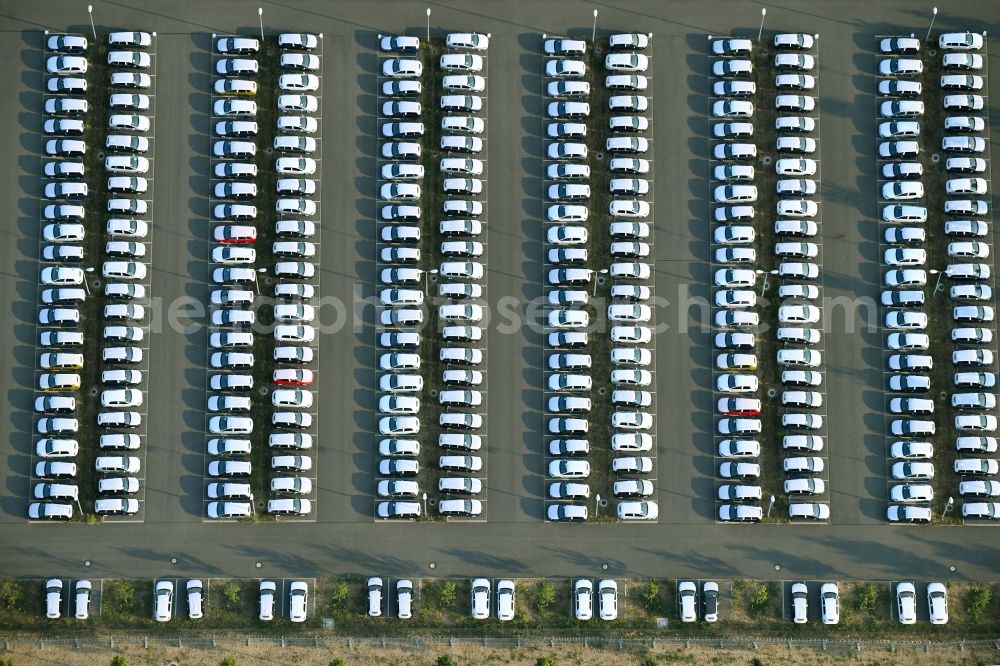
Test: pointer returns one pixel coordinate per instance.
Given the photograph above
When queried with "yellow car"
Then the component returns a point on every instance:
(235, 87)
(59, 381)
(61, 361)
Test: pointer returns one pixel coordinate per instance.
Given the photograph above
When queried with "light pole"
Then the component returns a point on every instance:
(763, 13)
(603, 271)
(937, 285)
(256, 283)
(424, 498)
(597, 505)
(260, 19)
(766, 274)
(770, 506)
(931, 26)
(593, 32)
(428, 24)
(86, 285)
(948, 507)
(90, 13)
(427, 286)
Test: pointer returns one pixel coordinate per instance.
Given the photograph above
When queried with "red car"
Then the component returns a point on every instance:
(293, 376)
(235, 233)
(739, 407)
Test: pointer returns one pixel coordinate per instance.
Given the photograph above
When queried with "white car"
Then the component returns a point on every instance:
(505, 597)
(906, 603)
(467, 40)
(53, 598)
(937, 602)
(163, 601)
(298, 41)
(902, 190)
(795, 167)
(800, 603)
(797, 208)
(480, 592)
(732, 109)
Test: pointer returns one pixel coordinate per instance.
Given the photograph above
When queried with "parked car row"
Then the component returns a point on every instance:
(973, 397)
(569, 278)
(459, 277)
(82, 594)
(967, 195)
(798, 258)
(163, 602)
(237, 276)
(63, 279)
(378, 598)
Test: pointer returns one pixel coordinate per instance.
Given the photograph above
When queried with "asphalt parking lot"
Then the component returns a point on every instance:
(685, 542)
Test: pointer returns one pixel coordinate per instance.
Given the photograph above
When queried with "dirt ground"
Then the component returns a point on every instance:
(472, 655)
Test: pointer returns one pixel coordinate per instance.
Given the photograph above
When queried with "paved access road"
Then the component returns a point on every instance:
(686, 542)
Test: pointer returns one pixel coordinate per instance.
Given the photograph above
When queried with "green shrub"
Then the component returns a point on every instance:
(756, 662)
(118, 660)
(121, 593)
(231, 593)
(648, 661)
(338, 662)
(867, 596)
(545, 661)
(339, 593)
(546, 596)
(446, 659)
(228, 661)
(10, 594)
(977, 600)
(447, 597)
(758, 600)
(651, 596)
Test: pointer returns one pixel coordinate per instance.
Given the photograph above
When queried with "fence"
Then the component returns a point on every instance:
(441, 642)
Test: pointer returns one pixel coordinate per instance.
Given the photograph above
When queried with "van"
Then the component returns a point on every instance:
(135, 59)
(461, 333)
(290, 440)
(961, 82)
(803, 357)
(128, 143)
(627, 144)
(462, 165)
(470, 103)
(973, 401)
(964, 444)
(460, 398)
(960, 41)
(218, 446)
(460, 463)
(465, 442)
(67, 84)
(461, 269)
(460, 507)
(968, 271)
(963, 144)
(966, 207)
(626, 82)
